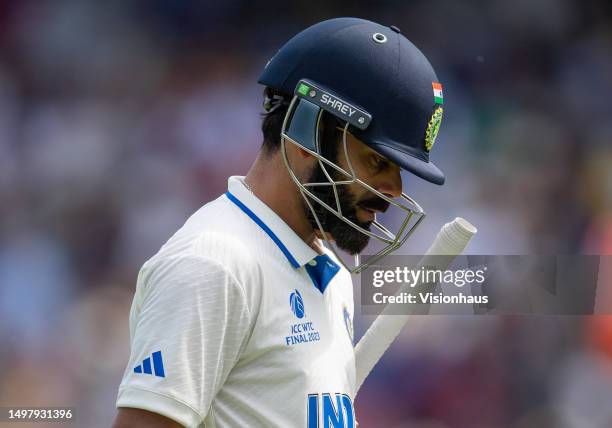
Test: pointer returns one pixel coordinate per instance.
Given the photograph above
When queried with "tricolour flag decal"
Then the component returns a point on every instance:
(437, 90)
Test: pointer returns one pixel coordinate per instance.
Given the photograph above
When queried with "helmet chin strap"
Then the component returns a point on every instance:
(301, 127)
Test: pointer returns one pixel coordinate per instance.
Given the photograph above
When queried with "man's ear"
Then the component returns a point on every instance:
(303, 153)
(300, 160)
(297, 151)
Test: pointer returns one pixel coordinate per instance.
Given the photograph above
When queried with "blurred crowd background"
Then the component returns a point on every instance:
(118, 119)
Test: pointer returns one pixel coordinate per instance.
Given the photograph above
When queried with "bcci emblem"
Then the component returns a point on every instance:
(432, 128)
(297, 304)
(348, 322)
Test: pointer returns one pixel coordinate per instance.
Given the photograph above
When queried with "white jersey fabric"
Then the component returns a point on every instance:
(237, 322)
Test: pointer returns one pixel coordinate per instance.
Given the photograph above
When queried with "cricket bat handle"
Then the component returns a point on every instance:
(450, 241)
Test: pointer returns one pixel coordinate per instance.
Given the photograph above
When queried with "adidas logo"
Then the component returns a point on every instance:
(158, 365)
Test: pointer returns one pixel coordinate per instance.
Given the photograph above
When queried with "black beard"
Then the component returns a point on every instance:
(347, 238)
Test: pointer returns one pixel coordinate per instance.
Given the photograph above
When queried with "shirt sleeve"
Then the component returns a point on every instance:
(189, 323)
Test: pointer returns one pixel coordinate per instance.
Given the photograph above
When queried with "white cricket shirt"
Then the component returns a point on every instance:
(237, 322)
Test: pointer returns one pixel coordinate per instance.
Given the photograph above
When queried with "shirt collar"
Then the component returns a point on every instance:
(298, 253)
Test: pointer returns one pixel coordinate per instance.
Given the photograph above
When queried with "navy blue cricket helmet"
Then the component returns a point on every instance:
(372, 77)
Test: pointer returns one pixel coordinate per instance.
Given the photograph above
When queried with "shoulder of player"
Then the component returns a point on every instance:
(204, 247)
(224, 219)
(212, 239)
(190, 273)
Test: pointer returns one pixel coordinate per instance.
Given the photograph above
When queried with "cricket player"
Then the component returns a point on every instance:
(244, 317)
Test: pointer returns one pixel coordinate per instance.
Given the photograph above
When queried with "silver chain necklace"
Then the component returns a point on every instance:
(247, 186)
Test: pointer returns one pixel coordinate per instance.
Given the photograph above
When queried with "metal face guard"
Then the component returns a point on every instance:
(301, 127)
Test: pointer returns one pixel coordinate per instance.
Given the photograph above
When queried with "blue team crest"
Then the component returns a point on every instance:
(348, 322)
(297, 304)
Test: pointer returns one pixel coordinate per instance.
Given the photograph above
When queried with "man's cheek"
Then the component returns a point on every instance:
(358, 193)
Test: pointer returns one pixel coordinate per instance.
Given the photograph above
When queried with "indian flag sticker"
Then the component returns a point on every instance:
(437, 91)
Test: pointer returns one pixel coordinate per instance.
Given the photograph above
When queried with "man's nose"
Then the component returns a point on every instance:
(391, 185)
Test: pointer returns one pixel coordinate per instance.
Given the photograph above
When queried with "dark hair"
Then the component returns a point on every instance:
(272, 119)
(276, 105)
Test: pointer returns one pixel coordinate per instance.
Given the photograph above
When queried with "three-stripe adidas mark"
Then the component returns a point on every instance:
(158, 365)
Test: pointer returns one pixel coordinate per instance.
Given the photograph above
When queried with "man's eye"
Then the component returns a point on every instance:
(378, 162)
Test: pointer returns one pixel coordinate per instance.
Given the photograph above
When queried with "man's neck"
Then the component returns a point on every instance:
(270, 181)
